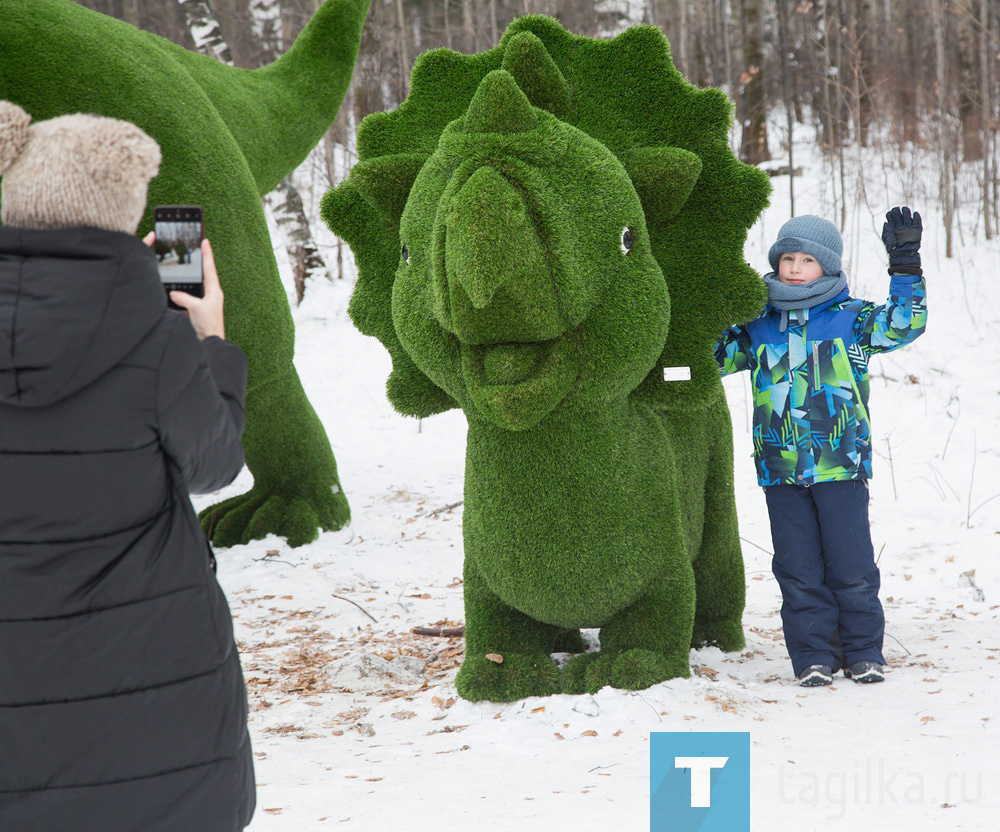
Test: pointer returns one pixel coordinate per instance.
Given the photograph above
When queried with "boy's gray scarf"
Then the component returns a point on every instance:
(786, 297)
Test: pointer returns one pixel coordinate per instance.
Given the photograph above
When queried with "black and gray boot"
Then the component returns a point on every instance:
(865, 672)
(816, 675)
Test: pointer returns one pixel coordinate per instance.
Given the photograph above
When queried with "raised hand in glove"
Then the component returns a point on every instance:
(901, 235)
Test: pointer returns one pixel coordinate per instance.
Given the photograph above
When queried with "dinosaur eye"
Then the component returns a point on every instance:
(406, 254)
(626, 240)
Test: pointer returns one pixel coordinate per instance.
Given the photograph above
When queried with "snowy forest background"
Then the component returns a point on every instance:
(918, 80)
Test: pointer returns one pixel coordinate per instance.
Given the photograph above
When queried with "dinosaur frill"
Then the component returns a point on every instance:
(625, 93)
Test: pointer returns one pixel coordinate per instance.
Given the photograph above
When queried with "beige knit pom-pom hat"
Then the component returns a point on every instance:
(73, 170)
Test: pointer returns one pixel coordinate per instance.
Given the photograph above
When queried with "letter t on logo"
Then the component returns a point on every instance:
(701, 777)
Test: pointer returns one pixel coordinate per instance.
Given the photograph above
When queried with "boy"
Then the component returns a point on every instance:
(808, 358)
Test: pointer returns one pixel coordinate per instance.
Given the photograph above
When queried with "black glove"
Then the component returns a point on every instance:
(901, 235)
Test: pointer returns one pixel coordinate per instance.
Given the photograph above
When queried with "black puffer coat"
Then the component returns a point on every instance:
(122, 706)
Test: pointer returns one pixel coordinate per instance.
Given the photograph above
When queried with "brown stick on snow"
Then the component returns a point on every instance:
(349, 601)
(448, 507)
(440, 632)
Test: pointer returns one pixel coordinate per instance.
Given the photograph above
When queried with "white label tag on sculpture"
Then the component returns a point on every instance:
(677, 374)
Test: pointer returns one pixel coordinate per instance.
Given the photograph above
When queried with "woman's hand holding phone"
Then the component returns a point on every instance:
(205, 312)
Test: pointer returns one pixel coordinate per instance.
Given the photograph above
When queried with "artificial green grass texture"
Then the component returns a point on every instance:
(596, 494)
(228, 137)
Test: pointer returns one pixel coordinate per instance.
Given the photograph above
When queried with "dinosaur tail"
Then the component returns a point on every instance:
(278, 113)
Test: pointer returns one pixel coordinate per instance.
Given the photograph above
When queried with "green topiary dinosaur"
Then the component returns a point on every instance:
(228, 136)
(540, 230)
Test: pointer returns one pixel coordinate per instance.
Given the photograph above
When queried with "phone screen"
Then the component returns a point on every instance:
(179, 231)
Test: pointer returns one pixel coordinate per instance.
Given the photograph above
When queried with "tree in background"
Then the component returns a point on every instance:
(917, 74)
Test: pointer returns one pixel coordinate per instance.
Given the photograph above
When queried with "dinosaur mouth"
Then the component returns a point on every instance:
(516, 385)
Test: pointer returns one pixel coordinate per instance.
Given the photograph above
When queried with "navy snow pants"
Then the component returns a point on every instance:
(825, 565)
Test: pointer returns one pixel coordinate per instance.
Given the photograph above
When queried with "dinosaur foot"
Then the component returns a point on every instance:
(516, 677)
(724, 633)
(635, 669)
(262, 511)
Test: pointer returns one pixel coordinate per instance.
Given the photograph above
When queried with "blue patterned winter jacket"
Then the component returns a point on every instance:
(810, 382)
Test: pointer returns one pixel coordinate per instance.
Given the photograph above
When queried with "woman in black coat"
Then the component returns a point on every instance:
(122, 705)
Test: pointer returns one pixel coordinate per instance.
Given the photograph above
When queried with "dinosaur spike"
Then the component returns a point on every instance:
(664, 178)
(499, 106)
(385, 182)
(527, 59)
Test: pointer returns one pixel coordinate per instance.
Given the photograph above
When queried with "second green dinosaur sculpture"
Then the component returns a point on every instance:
(541, 230)
(228, 137)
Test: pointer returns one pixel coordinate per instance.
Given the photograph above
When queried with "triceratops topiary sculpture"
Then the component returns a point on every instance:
(228, 136)
(540, 230)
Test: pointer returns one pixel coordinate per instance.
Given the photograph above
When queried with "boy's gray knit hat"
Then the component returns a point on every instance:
(73, 170)
(813, 235)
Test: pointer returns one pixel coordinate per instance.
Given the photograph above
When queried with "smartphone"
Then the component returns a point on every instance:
(179, 231)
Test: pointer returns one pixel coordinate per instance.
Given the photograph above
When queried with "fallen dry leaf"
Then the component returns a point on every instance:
(495, 657)
(449, 729)
(283, 729)
(589, 734)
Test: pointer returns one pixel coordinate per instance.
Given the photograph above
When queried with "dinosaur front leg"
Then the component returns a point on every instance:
(518, 647)
(646, 643)
(720, 581)
(296, 488)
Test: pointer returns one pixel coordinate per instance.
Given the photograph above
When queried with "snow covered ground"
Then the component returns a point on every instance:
(398, 749)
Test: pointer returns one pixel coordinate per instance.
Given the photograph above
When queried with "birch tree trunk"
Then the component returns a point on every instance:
(289, 213)
(205, 30)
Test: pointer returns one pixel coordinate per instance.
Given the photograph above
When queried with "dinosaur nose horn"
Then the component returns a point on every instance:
(499, 106)
(491, 240)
